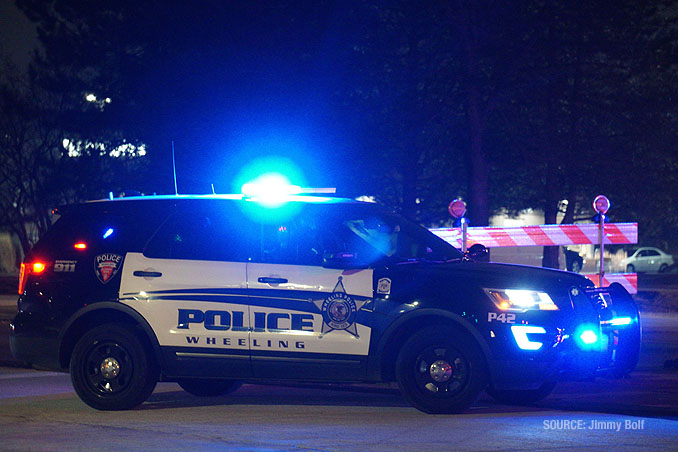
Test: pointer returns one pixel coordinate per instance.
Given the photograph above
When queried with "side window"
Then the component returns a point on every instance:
(210, 236)
(305, 239)
(652, 253)
(294, 242)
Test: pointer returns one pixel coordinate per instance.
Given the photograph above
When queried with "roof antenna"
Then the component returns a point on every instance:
(174, 170)
(213, 192)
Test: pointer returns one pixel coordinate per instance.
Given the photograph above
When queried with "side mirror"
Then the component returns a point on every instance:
(341, 260)
(477, 253)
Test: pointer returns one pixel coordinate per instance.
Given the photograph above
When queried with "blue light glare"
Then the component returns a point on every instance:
(520, 333)
(618, 321)
(588, 337)
(279, 171)
(271, 189)
(108, 233)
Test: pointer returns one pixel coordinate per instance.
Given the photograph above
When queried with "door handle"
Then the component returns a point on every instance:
(270, 280)
(144, 274)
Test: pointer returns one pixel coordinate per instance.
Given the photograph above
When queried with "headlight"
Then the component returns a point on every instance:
(521, 300)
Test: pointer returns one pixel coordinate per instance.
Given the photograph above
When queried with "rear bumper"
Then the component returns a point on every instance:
(33, 345)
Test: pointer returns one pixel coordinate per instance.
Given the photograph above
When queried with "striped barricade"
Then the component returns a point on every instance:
(551, 235)
(628, 280)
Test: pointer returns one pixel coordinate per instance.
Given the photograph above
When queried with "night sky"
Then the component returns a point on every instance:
(506, 105)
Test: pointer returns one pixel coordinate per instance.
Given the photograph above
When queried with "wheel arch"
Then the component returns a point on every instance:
(383, 367)
(101, 313)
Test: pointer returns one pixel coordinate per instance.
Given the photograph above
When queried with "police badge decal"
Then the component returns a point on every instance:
(106, 266)
(339, 310)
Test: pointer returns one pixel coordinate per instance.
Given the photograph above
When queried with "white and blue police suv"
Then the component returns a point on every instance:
(211, 291)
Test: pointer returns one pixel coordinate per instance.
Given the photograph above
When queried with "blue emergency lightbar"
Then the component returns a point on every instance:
(274, 189)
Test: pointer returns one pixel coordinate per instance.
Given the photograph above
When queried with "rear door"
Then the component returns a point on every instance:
(190, 285)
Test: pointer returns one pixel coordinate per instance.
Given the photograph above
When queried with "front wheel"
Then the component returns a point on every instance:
(111, 368)
(208, 388)
(630, 269)
(522, 396)
(440, 370)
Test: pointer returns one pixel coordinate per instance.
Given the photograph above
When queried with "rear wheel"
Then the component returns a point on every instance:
(440, 370)
(208, 388)
(630, 269)
(522, 397)
(111, 368)
(663, 268)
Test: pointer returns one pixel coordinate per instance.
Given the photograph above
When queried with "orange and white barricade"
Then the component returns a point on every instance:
(551, 235)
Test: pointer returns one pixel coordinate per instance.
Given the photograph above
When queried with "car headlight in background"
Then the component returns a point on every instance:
(521, 300)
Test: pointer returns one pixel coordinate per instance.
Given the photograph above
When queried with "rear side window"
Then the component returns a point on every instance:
(210, 235)
(100, 230)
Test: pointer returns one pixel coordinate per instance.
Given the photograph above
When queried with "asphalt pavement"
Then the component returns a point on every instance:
(39, 411)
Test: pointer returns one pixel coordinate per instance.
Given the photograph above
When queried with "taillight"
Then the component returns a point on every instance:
(22, 278)
(80, 246)
(35, 268)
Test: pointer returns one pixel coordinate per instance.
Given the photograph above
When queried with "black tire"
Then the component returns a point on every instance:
(440, 370)
(112, 369)
(663, 268)
(209, 388)
(630, 269)
(522, 397)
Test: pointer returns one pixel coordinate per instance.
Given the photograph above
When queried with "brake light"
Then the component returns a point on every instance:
(80, 246)
(35, 268)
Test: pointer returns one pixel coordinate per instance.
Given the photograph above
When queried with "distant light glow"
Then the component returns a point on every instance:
(91, 97)
(108, 233)
(520, 333)
(79, 148)
(80, 246)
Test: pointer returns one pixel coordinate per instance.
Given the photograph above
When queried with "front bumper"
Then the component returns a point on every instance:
(568, 351)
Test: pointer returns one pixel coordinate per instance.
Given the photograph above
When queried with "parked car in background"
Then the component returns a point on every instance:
(648, 259)
(573, 260)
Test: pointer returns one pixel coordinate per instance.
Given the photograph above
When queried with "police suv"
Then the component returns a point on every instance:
(210, 291)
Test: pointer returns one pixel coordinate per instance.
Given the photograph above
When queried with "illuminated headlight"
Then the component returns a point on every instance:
(521, 300)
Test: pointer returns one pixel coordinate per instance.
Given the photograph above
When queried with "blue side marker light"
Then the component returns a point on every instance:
(108, 233)
(520, 333)
(617, 321)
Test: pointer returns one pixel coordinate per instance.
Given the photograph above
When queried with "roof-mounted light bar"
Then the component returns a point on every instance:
(274, 189)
